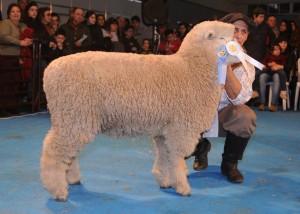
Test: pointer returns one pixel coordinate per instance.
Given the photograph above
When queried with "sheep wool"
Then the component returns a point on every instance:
(172, 98)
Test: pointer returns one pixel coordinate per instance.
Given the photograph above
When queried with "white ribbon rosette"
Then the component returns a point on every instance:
(234, 49)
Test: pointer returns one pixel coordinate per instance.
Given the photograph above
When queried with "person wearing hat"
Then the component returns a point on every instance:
(236, 120)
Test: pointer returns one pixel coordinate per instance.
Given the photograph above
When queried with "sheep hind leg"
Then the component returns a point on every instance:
(160, 168)
(54, 165)
(73, 173)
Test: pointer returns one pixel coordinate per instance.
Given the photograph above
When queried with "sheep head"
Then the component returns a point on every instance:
(205, 38)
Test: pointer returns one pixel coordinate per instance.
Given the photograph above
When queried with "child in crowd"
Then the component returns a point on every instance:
(60, 44)
(171, 45)
(274, 62)
(131, 45)
(146, 47)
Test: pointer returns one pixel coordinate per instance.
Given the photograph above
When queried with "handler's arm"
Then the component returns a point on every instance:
(232, 84)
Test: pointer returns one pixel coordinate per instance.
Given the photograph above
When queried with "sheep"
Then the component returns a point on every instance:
(172, 98)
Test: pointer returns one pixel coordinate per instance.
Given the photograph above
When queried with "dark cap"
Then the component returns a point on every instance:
(233, 17)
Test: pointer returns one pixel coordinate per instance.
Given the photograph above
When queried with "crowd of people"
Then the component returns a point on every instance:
(26, 23)
(278, 49)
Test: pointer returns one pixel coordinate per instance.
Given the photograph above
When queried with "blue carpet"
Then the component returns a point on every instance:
(117, 178)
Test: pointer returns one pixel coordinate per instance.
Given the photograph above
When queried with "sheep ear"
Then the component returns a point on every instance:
(210, 34)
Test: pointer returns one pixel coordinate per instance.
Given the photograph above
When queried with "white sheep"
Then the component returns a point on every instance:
(171, 98)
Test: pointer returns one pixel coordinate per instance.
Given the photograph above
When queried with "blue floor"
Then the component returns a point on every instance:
(117, 178)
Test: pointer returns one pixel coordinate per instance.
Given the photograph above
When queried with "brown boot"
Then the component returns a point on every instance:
(233, 151)
(202, 149)
(231, 171)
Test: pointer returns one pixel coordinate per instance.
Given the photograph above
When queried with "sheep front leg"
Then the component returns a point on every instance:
(54, 167)
(160, 168)
(178, 175)
(53, 176)
(73, 173)
(179, 147)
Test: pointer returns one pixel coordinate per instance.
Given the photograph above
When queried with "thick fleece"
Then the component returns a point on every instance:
(173, 98)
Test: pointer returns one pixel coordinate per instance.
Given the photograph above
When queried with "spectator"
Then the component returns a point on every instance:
(288, 68)
(10, 43)
(30, 15)
(170, 46)
(160, 37)
(295, 38)
(22, 4)
(101, 20)
(98, 40)
(111, 36)
(122, 24)
(146, 47)
(285, 29)
(90, 20)
(257, 43)
(140, 32)
(77, 34)
(274, 63)
(182, 30)
(60, 49)
(55, 21)
(129, 42)
(45, 34)
(272, 21)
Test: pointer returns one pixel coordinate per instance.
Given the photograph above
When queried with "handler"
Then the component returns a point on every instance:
(236, 120)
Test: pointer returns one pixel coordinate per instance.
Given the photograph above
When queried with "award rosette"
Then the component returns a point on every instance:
(222, 67)
(234, 49)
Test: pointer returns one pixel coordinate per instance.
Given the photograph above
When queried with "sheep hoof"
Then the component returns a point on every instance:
(165, 187)
(188, 194)
(183, 191)
(61, 199)
(76, 183)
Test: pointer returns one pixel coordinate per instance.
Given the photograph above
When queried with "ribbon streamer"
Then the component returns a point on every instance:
(234, 49)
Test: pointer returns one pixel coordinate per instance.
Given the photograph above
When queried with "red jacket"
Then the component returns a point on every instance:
(25, 55)
(280, 60)
(173, 47)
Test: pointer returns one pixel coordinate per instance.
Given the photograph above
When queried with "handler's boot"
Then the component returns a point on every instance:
(233, 151)
(203, 147)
